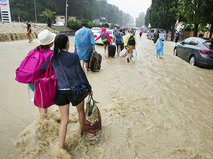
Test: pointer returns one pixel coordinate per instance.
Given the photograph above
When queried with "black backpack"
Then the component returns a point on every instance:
(131, 40)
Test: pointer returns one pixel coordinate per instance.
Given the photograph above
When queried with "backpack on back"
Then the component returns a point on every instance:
(131, 40)
(30, 68)
(104, 37)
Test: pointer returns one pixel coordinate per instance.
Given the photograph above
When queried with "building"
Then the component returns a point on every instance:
(61, 18)
(5, 11)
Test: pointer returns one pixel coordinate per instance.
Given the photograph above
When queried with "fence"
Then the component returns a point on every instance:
(186, 34)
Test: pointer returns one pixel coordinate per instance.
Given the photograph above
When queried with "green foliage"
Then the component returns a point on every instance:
(188, 27)
(140, 21)
(87, 9)
(47, 13)
(202, 28)
(74, 24)
(164, 13)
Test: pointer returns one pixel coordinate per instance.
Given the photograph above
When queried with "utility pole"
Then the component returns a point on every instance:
(35, 11)
(66, 14)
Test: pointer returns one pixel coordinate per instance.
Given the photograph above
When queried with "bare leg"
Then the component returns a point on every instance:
(82, 64)
(87, 66)
(64, 110)
(105, 50)
(119, 49)
(107, 47)
(130, 54)
(80, 109)
(43, 113)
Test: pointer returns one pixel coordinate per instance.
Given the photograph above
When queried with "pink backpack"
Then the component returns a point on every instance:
(30, 68)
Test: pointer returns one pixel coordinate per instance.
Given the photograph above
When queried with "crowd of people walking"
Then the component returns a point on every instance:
(70, 68)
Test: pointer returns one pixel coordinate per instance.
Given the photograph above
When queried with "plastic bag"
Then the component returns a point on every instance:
(123, 52)
(134, 53)
(30, 94)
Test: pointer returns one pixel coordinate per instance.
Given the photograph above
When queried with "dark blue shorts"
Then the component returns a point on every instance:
(118, 42)
(64, 97)
(106, 43)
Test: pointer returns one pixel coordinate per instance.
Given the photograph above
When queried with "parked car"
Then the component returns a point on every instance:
(58, 24)
(197, 51)
(95, 29)
(99, 41)
(150, 33)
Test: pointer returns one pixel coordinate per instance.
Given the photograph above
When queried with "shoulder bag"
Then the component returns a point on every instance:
(45, 88)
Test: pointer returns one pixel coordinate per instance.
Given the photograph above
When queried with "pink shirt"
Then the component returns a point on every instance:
(107, 34)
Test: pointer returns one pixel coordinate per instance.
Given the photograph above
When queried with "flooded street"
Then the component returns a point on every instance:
(154, 108)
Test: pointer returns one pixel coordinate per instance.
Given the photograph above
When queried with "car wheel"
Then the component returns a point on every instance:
(175, 52)
(192, 61)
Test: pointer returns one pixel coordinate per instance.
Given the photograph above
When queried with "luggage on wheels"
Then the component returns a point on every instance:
(94, 61)
(112, 49)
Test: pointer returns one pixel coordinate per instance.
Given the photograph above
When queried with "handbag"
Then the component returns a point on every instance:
(92, 121)
(45, 88)
(79, 92)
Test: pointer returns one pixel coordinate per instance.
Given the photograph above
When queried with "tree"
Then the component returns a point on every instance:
(87, 9)
(140, 21)
(48, 14)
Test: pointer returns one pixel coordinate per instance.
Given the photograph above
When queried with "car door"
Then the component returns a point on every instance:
(183, 51)
(191, 49)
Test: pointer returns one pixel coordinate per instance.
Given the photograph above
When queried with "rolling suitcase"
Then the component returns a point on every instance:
(94, 61)
(112, 49)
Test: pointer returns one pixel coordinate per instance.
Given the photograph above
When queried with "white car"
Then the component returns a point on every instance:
(150, 34)
(58, 24)
(99, 41)
(95, 29)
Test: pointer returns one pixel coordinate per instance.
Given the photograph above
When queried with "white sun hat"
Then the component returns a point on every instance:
(46, 37)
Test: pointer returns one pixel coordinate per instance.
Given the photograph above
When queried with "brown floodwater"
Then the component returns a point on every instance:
(156, 108)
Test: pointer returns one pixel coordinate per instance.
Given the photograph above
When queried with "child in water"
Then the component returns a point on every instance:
(159, 47)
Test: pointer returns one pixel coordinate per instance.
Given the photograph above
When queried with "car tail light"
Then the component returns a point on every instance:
(110, 37)
(165, 35)
(205, 52)
(95, 36)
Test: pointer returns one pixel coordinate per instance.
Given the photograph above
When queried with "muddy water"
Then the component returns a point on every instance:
(153, 108)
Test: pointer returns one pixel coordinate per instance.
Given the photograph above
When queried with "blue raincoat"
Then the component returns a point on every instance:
(159, 47)
(84, 39)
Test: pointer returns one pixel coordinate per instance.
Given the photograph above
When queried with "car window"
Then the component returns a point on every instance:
(96, 29)
(152, 31)
(194, 42)
(187, 41)
(161, 31)
(110, 32)
(209, 44)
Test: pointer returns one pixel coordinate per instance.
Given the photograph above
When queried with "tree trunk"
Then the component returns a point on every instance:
(173, 32)
(195, 29)
(48, 22)
(211, 30)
